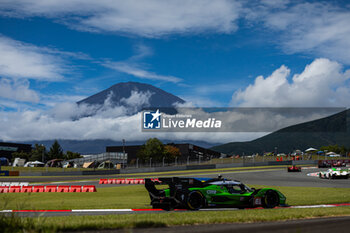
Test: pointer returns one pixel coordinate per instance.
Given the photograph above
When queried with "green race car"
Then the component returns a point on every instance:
(196, 193)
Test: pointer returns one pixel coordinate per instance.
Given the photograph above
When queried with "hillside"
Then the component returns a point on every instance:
(330, 130)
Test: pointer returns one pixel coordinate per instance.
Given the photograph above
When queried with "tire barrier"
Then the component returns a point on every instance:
(123, 181)
(48, 189)
(38, 189)
(15, 189)
(51, 189)
(63, 189)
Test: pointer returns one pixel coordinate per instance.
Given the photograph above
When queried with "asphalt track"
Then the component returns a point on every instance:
(284, 178)
(193, 173)
(82, 212)
(268, 176)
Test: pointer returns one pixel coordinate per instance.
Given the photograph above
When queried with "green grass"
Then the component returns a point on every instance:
(312, 195)
(73, 223)
(136, 196)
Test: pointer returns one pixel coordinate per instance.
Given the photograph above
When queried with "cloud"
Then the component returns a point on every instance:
(132, 66)
(20, 63)
(17, 90)
(198, 101)
(254, 119)
(109, 121)
(54, 99)
(76, 122)
(110, 124)
(126, 106)
(137, 100)
(151, 18)
(323, 83)
(114, 123)
(317, 28)
(134, 70)
(20, 60)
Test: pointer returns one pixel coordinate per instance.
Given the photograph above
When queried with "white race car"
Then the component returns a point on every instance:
(334, 173)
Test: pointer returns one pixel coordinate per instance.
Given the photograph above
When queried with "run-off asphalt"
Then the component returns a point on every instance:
(276, 177)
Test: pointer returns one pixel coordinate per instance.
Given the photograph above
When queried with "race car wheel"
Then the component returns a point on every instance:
(195, 200)
(271, 199)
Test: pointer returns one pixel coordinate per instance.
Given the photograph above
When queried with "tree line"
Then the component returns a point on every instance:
(154, 149)
(39, 153)
(342, 150)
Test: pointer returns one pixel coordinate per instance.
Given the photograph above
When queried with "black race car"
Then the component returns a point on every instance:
(196, 193)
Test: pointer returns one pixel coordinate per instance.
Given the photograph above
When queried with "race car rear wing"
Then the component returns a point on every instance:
(175, 184)
(178, 191)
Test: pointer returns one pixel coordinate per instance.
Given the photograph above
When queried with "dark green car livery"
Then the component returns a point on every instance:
(196, 193)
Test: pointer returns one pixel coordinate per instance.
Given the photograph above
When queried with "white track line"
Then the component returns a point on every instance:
(151, 210)
(312, 206)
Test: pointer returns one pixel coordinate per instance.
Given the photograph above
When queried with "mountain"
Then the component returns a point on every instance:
(133, 93)
(334, 129)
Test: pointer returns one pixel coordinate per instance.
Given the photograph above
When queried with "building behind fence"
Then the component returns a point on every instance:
(114, 157)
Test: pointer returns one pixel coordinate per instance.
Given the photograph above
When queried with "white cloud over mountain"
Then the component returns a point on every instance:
(73, 121)
(107, 121)
(323, 83)
(35, 125)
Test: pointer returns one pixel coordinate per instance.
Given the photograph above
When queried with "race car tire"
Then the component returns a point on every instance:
(195, 200)
(270, 199)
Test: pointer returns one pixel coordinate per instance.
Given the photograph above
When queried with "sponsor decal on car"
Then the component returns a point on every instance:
(257, 201)
(211, 191)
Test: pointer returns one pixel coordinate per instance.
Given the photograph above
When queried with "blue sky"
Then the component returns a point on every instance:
(211, 53)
